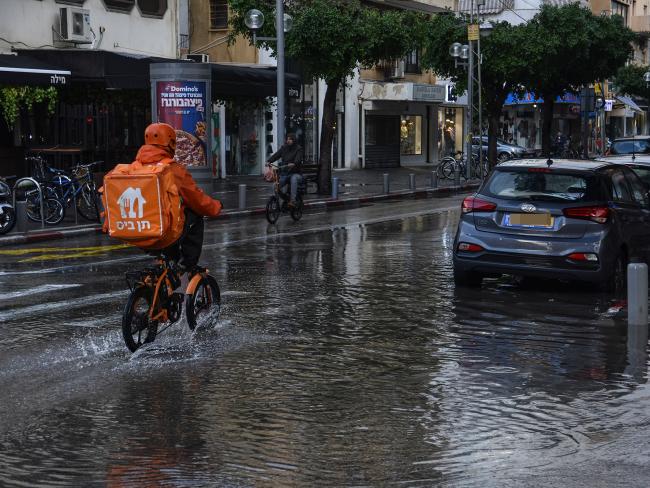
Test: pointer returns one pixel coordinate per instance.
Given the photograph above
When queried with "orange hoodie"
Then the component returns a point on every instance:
(192, 195)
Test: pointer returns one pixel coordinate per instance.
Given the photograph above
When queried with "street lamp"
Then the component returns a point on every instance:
(254, 20)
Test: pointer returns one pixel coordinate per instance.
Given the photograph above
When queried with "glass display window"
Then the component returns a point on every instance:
(411, 135)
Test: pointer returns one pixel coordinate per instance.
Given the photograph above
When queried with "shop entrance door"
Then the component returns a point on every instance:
(382, 141)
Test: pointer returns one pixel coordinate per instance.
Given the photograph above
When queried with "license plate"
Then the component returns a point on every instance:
(531, 220)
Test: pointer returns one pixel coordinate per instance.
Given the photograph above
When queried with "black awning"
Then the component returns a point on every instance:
(248, 81)
(113, 70)
(25, 70)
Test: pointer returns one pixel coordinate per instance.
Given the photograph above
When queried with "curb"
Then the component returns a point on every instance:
(326, 204)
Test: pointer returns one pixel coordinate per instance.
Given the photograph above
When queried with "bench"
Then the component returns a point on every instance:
(310, 172)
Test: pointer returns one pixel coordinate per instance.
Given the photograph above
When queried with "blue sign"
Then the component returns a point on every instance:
(530, 98)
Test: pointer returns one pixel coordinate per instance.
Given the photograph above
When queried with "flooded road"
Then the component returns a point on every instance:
(344, 356)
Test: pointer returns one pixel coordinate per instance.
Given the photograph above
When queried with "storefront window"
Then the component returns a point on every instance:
(244, 149)
(411, 135)
(447, 136)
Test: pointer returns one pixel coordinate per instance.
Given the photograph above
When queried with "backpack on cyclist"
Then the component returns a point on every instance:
(142, 205)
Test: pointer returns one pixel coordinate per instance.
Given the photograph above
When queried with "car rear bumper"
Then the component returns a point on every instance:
(520, 264)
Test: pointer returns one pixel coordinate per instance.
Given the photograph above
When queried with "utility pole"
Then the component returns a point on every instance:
(279, 29)
(480, 88)
(470, 95)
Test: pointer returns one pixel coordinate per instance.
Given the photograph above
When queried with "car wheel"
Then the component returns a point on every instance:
(504, 156)
(616, 282)
(467, 278)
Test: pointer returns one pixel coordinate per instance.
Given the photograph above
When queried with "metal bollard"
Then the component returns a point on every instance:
(637, 294)
(386, 183)
(21, 216)
(242, 196)
(457, 175)
(335, 187)
(434, 179)
(412, 181)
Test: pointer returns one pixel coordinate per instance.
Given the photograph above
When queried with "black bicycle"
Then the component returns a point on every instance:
(279, 202)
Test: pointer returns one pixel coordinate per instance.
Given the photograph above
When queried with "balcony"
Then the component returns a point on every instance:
(640, 24)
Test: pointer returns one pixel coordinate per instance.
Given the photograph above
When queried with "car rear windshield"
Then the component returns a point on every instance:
(629, 147)
(643, 172)
(542, 184)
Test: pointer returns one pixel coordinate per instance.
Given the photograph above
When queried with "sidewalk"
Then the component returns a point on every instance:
(355, 187)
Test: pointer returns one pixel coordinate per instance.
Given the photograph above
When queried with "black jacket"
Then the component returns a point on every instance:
(289, 154)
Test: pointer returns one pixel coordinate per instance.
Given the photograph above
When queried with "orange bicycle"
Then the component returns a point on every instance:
(153, 301)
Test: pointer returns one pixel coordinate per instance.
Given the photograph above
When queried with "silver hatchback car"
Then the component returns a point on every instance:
(570, 220)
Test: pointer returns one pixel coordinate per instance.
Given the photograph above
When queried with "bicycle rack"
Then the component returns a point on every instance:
(40, 193)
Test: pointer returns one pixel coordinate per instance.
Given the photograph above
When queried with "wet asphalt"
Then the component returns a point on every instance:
(344, 356)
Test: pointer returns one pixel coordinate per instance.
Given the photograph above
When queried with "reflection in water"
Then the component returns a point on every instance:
(347, 358)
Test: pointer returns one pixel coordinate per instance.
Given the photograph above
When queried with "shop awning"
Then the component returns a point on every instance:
(250, 81)
(112, 69)
(25, 70)
(629, 102)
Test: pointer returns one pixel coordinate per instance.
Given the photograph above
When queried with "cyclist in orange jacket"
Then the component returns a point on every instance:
(160, 143)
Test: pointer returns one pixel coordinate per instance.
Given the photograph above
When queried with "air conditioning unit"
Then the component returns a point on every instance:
(198, 58)
(397, 70)
(75, 25)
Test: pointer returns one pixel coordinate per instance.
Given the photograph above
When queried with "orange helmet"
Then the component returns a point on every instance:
(161, 135)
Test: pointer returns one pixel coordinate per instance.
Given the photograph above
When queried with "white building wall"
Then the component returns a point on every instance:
(32, 24)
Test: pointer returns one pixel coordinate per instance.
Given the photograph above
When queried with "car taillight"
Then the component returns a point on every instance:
(473, 204)
(583, 256)
(467, 247)
(595, 214)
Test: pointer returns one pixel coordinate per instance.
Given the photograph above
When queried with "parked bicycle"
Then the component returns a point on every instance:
(279, 202)
(154, 303)
(76, 188)
(448, 165)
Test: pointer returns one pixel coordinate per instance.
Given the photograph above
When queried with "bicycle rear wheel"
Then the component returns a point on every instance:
(137, 329)
(273, 209)
(206, 299)
(87, 202)
(296, 211)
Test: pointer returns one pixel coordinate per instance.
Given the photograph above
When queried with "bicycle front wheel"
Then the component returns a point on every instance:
(446, 168)
(137, 328)
(273, 209)
(7, 219)
(204, 301)
(54, 210)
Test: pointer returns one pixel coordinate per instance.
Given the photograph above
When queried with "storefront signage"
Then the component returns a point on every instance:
(429, 93)
(182, 104)
(609, 105)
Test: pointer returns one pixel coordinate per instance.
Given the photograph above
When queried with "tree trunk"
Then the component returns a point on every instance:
(327, 137)
(493, 132)
(547, 123)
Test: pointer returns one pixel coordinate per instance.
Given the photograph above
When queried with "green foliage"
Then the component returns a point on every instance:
(629, 80)
(330, 37)
(574, 48)
(13, 98)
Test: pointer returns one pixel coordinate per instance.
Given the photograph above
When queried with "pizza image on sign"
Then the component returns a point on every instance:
(190, 150)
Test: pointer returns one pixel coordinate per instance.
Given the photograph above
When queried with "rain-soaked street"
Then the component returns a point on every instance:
(344, 356)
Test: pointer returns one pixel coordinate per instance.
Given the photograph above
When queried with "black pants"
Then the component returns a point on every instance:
(187, 249)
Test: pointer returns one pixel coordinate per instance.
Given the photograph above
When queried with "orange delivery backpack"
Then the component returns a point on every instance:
(142, 205)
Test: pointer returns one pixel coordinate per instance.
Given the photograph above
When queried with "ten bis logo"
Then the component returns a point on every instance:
(131, 204)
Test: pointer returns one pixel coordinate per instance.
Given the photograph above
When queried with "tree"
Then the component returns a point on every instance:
(572, 48)
(629, 80)
(502, 71)
(331, 38)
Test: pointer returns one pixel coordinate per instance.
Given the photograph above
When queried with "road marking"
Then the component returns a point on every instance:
(330, 227)
(35, 291)
(66, 304)
(22, 252)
